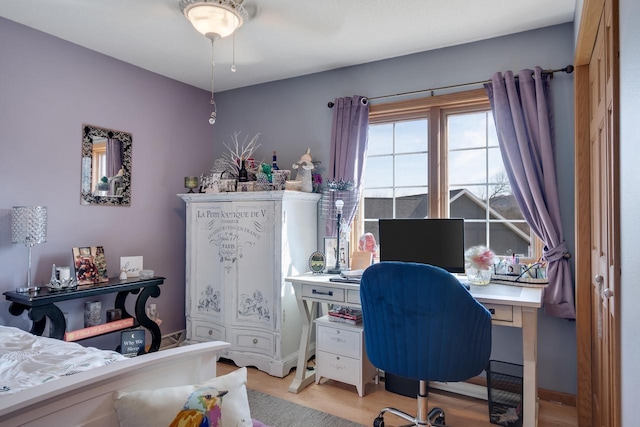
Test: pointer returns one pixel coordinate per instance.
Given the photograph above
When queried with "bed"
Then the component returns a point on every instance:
(86, 398)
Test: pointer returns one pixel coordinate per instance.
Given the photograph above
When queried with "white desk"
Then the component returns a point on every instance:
(510, 306)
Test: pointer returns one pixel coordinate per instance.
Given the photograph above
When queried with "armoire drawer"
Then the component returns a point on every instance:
(253, 341)
(206, 331)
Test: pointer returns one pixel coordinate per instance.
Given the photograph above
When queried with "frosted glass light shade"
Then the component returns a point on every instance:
(29, 224)
(214, 19)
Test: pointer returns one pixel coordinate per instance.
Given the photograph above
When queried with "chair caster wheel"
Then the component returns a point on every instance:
(436, 417)
(378, 422)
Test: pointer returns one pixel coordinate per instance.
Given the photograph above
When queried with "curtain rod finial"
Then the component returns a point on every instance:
(569, 69)
(330, 104)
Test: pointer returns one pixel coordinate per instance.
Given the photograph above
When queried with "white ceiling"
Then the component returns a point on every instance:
(282, 38)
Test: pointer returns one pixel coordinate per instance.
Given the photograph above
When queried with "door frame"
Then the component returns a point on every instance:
(587, 32)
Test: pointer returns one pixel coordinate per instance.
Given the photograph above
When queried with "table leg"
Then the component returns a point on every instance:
(143, 319)
(38, 316)
(530, 371)
(121, 297)
(303, 377)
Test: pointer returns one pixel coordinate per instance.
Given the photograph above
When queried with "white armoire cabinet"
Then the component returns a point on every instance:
(239, 248)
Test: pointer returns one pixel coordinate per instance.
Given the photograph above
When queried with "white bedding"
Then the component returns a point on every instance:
(27, 360)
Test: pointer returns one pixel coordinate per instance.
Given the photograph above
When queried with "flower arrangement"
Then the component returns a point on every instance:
(479, 257)
(316, 180)
(340, 185)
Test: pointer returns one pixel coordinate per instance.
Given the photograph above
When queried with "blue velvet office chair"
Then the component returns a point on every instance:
(421, 323)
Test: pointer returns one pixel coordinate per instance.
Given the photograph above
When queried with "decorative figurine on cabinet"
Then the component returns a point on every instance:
(304, 166)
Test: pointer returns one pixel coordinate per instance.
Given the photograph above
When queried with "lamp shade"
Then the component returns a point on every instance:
(29, 224)
(214, 20)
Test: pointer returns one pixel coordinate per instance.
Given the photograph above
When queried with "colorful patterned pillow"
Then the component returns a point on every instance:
(186, 404)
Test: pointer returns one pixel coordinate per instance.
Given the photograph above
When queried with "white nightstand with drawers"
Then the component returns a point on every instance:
(341, 355)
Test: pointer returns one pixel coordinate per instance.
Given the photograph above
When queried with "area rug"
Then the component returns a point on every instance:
(277, 412)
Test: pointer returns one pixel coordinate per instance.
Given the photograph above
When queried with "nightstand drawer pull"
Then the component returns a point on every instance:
(317, 292)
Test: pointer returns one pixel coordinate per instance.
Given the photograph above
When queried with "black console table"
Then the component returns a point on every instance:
(42, 304)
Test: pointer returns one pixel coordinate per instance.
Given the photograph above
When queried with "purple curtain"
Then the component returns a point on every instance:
(348, 150)
(524, 122)
(114, 157)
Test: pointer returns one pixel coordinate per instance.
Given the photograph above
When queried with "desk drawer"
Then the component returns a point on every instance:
(353, 296)
(323, 293)
(338, 341)
(340, 368)
(499, 312)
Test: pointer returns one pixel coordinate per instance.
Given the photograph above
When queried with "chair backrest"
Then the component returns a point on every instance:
(420, 322)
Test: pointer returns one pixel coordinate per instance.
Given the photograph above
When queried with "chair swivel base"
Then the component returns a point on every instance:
(434, 418)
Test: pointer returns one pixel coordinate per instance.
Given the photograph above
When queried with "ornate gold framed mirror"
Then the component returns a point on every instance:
(106, 167)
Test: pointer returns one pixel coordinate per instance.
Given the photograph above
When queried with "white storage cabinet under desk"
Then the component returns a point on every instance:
(341, 354)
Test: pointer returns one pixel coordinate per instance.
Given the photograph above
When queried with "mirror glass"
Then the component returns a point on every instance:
(106, 166)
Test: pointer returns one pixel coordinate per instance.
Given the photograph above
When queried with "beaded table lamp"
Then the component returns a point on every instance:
(29, 226)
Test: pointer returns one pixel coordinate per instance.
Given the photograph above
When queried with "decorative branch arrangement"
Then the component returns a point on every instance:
(236, 152)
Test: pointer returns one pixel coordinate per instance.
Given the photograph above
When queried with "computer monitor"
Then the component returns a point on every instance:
(437, 241)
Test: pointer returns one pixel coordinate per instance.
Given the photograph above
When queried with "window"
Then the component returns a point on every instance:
(439, 157)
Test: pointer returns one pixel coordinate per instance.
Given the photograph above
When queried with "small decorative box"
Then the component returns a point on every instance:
(146, 274)
(246, 186)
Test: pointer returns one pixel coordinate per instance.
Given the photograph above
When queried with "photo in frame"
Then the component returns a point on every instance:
(90, 265)
(132, 265)
(330, 249)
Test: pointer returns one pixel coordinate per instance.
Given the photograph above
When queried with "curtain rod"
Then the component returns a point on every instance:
(568, 69)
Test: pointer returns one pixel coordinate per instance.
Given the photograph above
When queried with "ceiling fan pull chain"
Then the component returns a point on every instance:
(214, 113)
(233, 59)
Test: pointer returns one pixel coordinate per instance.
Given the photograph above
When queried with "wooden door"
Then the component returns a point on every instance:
(604, 223)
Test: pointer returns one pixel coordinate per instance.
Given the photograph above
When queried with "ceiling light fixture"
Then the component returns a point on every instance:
(215, 19)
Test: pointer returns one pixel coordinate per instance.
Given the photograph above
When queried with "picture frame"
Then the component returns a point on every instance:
(90, 265)
(132, 265)
(317, 262)
(330, 247)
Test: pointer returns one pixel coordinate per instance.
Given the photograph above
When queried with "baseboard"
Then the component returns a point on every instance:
(174, 339)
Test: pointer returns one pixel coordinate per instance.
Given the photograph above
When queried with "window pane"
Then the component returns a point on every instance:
(415, 205)
(378, 205)
(380, 139)
(410, 169)
(475, 233)
(497, 172)
(502, 201)
(467, 167)
(377, 172)
(509, 238)
(467, 130)
(411, 136)
(467, 202)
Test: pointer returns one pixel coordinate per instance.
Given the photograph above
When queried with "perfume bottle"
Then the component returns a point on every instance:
(274, 163)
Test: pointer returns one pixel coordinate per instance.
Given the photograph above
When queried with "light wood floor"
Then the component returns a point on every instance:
(343, 401)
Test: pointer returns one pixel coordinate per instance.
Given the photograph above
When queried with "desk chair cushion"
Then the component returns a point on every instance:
(420, 322)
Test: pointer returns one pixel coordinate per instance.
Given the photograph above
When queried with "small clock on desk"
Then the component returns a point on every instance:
(317, 262)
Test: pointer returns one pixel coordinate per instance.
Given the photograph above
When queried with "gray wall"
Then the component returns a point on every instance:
(629, 206)
(293, 115)
(48, 89)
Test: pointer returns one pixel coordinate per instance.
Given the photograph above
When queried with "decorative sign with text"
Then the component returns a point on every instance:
(230, 230)
(132, 342)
